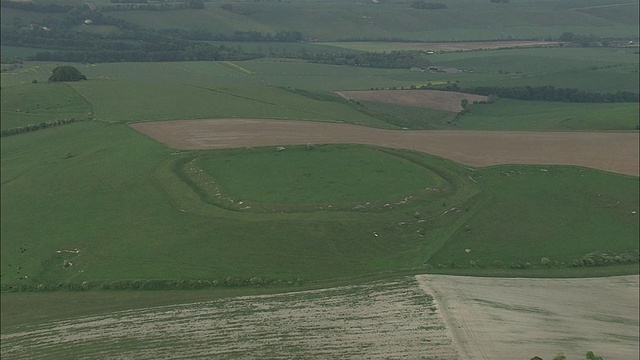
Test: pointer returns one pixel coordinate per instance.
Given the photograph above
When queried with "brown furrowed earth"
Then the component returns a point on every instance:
(610, 151)
(432, 99)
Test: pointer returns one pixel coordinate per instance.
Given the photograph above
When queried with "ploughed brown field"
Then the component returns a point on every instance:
(432, 99)
(610, 151)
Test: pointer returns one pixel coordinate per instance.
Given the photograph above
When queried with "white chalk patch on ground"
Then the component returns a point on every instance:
(497, 318)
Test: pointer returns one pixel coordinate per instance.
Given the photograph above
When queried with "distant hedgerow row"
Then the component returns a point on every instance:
(602, 259)
(34, 127)
(152, 284)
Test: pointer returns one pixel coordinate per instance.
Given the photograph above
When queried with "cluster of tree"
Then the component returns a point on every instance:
(590, 355)
(36, 7)
(421, 4)
(34, 127)
(582, 40)
(253, 36)
(602, 259)
(386, 60)
(130, 44)
(184, 284)
(544, 93)
(66, 73)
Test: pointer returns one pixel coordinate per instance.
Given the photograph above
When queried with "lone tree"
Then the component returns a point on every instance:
(66, 73)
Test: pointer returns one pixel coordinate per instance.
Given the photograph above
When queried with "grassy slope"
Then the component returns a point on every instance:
(106, 202)
(156, 91)
(462, 20)
(558, 212)
(110, 202)
(36, 103)
(507, 114)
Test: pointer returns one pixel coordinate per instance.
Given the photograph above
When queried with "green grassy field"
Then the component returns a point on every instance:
(36, 103)
(119, 200)
(191, 90)
(536, 116)
(316, 176)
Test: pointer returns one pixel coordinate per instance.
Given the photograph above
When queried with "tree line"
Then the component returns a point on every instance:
(182, 284)
(132, 43)
(34, 127)
(387, 60)
(544, 93)
(125, 5)
(239, 36)
(421, 4)
(36, 7)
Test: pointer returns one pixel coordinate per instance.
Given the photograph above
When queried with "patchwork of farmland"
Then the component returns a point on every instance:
(289, 179)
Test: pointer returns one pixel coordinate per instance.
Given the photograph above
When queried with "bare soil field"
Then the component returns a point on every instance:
(478, 45)
(493, 318)
(378, 320)
(609, 151)
(423, 317)
(432, 99)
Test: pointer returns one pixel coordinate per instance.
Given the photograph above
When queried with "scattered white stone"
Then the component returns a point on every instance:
(467, 250)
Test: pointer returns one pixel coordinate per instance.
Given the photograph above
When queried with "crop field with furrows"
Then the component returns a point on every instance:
(426, 316)
(375, 320)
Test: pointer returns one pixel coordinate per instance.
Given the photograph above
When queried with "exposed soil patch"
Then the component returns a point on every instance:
(493, 318)
(432, 99)
(381, 320)
(609, 151)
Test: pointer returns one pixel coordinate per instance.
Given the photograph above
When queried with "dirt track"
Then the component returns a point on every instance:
(609, 151)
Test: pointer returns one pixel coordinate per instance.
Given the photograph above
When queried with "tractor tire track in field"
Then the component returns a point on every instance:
(610, 151)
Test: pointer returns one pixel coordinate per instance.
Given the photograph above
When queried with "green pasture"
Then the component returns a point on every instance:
(11, 54)
(318, 175)
(507, 114)
(591, 69)
(118, 198)
(412, 117)
(35, 103)
(554, 212)
(112, 201)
